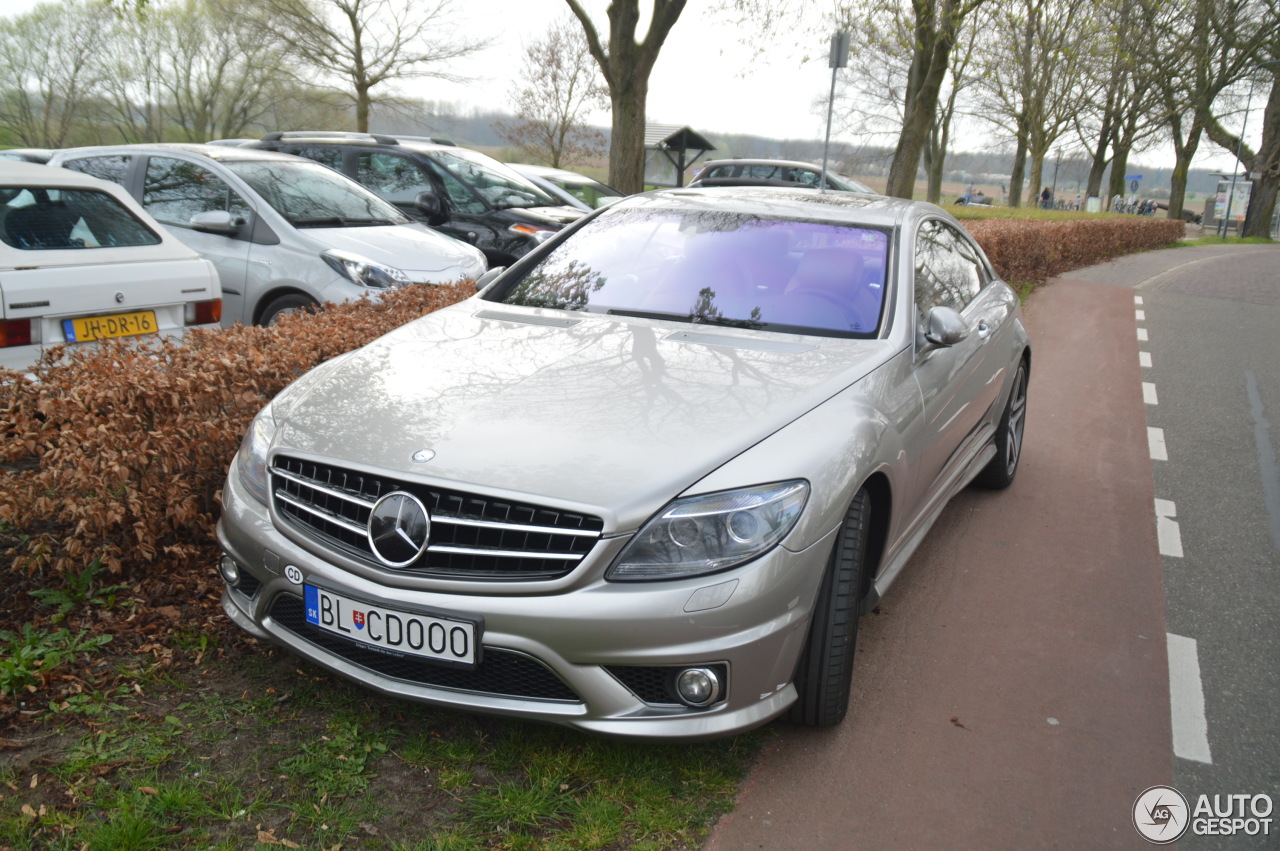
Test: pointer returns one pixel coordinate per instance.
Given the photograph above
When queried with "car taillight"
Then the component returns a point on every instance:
(204, 312)
(16, 332)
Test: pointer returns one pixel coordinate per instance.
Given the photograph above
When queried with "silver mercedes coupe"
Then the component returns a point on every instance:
(645, 482)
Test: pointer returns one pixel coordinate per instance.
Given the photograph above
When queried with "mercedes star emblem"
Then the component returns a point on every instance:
(398, 529)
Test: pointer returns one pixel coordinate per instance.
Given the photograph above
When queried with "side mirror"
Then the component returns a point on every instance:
(216, 221)
(428, 203)
(943, 327)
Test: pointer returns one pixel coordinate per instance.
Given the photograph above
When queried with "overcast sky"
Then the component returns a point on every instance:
(704, 78)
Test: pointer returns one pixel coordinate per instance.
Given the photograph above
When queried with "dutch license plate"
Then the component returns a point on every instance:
(436, 636)
(104, 327)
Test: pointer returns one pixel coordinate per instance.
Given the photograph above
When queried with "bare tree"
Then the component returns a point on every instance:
(626, 65)
(48, 59)
(561, 86)
(368, 43)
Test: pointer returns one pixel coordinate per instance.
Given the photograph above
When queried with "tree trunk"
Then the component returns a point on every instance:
(362, 109)
(626, 151)
(1184, 153)
(1119, 164)
(1262, 201)
(1018, 174)
(1037, 173)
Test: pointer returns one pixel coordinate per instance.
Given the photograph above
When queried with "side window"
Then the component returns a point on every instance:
(458, 195)
(111, 168)
(948, 271)
(323, 154)
(392, 177)
(175, 190)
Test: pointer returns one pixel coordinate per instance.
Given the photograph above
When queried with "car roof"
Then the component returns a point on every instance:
(769, 202)
(20, 173)
(334, 137)
(763, 161)
(221, 153)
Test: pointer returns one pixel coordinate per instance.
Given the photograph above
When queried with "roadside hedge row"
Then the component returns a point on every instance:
(118, 454)
(1031, 252)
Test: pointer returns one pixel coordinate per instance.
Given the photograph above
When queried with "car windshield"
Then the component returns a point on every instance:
(311, 195)
(589, 191)
(716, 268)
(36, 218)
(498, 185)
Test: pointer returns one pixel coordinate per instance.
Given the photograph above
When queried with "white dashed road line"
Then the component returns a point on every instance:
(1149, 393)
(1167, 533)
(1142, 334)
(1144, 359)
(1155, 440)
(1139, 315)
(1186, 701)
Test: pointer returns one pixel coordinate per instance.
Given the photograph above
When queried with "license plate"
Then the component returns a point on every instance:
(104, 327)
(441, 637)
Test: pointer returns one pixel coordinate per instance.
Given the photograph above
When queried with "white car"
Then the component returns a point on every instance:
(286, 233)
(80, 260)
(575, 190)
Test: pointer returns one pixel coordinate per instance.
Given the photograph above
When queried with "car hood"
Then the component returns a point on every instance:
(410, 247)
(610, 415)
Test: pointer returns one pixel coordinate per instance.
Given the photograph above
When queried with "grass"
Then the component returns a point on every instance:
(247, 750)
(1231, 240)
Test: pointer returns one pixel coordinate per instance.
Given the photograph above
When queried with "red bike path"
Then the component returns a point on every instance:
(1012, 692)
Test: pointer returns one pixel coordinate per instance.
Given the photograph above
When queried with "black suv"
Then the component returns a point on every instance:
(460, 192)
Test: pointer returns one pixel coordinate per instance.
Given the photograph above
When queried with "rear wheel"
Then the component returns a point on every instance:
(825, 671)
(1008, 440)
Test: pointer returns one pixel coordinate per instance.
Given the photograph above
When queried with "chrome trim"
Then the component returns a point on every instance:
(315, 512)
(515, 527)
(312, 483)
(467, 551)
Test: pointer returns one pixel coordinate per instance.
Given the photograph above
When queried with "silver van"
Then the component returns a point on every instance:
(285, 233)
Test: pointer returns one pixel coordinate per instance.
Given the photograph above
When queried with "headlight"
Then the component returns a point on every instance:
(251, 460)
(540, 234)
(704, 534)
(363, 271)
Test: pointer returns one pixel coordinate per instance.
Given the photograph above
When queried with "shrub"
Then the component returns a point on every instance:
(1024, 251)
(117, 452)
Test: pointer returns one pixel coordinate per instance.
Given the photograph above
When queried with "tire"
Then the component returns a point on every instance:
(825, 671)
(286, 304)
(999, 474)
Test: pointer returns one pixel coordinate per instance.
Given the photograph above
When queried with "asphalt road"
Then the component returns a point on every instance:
(1214, 340)
(1016, 691)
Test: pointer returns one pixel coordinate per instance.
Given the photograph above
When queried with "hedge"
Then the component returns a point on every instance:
(117, 453)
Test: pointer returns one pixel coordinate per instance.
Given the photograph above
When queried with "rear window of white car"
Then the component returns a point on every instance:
(716, 268)
(37, 218)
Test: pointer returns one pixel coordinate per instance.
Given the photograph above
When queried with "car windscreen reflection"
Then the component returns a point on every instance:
(717, 269)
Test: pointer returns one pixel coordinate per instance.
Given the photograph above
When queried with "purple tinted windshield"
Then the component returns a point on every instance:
(717, 268)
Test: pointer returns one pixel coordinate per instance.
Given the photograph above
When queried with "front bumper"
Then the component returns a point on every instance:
(548, 653)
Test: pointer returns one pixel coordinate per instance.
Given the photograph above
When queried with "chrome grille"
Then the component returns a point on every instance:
(472, 537)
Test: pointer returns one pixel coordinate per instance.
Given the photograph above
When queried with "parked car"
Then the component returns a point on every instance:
(766, 172)
(655, 472)
(29, 155)
(285, 233)
(575, 190)
(81, 261)
(460, 192)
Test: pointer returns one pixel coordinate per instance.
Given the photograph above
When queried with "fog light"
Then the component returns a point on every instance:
(229, 569)
(698, 686)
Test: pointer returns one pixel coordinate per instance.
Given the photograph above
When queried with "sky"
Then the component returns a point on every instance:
(704, 78)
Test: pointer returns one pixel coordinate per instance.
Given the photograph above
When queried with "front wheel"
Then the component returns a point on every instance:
(1008, 440)
(825, 672)
(287, 304)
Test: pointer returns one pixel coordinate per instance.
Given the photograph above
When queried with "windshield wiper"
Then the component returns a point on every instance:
(693, 318)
